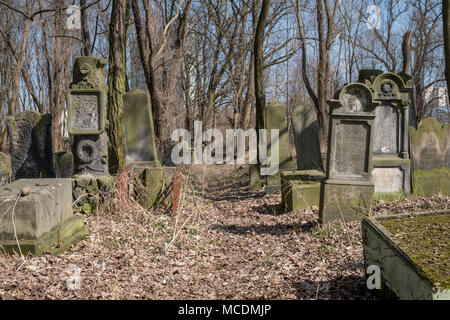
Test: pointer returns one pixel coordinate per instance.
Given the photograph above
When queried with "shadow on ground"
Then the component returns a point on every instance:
(348, 288)
(274, 230)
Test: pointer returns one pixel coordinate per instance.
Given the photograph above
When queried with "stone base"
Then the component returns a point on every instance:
(391, 174)
(300, 189)
(43, 218)
(345, 200)
(152, 186)
(54, 242)
(87, 191)
(400, 277)
(429, 182)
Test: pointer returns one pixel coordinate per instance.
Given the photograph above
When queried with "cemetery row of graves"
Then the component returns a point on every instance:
(315, 225)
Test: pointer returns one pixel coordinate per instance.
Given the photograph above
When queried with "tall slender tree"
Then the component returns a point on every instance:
(116, 85)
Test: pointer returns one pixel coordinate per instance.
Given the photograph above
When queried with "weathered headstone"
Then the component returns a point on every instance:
(347, 192)
(430, 153)
(5, 168)
(87, 116)
(391, 164)
(63, 164)
(153, 186)
(300, 188)
(275, 118)
(30, 145)
(306, 135)
(139, 133)
(40, 220)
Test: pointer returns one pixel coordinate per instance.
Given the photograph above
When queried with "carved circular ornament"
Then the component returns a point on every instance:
(387, 88)
(86, 151)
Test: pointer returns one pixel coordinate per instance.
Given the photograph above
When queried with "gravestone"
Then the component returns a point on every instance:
(30, 145)
(391, 163)
(306, 135)
(347, 192)
(140, 144)
(275, 118)
(430, 153)
(300, 189)
(86, 102)
(39, 221)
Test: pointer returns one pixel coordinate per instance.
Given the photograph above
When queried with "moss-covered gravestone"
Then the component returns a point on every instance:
(275, 118)
(430, 153)
(391, 164)
(30, 145)
(300, 188)
(412, 254)
(140, 144)
(152, 186)
(347, 192)
(86, 102)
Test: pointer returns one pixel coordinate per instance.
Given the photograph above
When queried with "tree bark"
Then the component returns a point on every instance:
(116, 85)
(446, 25)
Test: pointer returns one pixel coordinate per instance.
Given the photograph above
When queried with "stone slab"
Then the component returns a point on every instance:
(152, 186)
(401, 278)
(306, 136)
(300, 189)
(41, 219)
(430, 153)
(345, 200)
(139, 132)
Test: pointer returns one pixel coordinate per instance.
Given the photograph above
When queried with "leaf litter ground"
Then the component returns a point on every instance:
(225, 242)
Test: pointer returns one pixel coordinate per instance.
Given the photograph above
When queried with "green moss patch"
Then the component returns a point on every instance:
(425, 239)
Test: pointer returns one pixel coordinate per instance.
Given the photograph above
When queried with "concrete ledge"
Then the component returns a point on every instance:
(400, 276)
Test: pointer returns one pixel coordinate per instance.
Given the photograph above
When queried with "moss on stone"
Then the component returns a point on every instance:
(425, 239)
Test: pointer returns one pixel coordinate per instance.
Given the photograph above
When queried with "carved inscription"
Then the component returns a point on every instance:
(386, 130)
(85, 114)
(351, 155)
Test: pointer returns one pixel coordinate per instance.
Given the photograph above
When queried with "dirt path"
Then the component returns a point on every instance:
(225, 243)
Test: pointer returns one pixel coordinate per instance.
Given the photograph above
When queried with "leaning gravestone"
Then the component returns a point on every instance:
(430, 152)
(30, 145)
(87, 116)
(275, 118)
(300, 188)
(306, 135)
(391, 164)
(346, 194)
(140, 144)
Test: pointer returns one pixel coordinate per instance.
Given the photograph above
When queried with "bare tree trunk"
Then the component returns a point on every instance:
(85, 36)
(260, 93)
(406, 52)
(20, 59)
(446, 25)
(116, 85)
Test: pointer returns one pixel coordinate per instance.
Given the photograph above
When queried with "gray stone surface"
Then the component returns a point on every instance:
(390, 144)
(347, 192)
(306, 135)
(40, 220)
(86, 102)
(30, 145)
(388, 179)
(139, 133)
(430, 152)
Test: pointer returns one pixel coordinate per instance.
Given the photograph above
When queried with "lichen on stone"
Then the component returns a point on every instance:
(425, 239)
